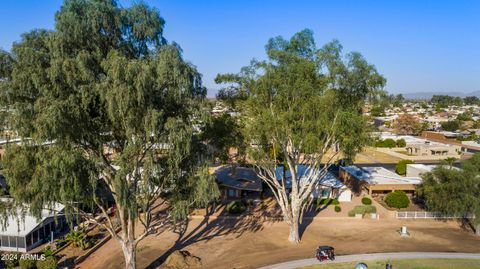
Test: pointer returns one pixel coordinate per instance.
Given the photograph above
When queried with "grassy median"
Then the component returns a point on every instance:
(406, 264)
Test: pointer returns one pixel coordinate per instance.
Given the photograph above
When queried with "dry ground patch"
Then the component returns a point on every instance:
(251, 243)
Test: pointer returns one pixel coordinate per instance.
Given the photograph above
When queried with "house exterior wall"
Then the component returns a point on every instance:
(34, 238)
(382, 188)
(356, 186)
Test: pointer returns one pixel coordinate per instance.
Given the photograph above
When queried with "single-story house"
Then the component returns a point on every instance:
(238, 182)
(418, 169)
(433, 149)
(329, 186)
(23, 235)
(376, 180)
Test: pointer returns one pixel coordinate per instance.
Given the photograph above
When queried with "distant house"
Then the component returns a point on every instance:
(238, 182)
(418, 169)
(24, 235)
(433, 149)
(376, 180)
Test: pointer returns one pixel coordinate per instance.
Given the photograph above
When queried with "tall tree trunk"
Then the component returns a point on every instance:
(129, 249)
(294, 235)
(477, 229)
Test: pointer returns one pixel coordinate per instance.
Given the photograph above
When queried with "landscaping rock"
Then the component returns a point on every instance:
(182, 259)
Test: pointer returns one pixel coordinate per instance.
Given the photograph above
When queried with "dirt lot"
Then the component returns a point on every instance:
(250, 242)
(371, 155)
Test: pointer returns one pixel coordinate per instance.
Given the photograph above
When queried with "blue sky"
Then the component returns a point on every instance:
(417, 45)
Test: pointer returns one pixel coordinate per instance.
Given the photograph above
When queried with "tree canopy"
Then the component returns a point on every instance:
(454, 192)
(105, 107)
(301, 103)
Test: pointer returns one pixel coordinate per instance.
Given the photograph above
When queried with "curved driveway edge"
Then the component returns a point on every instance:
(374, 256)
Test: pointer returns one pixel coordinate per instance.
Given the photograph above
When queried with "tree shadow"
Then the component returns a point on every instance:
(214, 226)
(309, 216)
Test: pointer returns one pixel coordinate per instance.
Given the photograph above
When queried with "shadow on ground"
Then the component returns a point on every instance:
(211, 227)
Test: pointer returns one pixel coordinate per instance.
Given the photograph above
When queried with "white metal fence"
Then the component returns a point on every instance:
(428, 215)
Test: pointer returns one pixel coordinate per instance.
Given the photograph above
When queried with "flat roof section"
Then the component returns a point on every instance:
(379, 175)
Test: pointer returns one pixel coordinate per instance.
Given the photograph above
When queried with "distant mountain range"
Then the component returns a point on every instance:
(428, 95)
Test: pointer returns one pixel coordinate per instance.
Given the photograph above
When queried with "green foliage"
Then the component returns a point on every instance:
(224, 132)
(466, 116)
(362, 209)
(60, 243)
(326, 201)
(13, 260)
(446, 100)
(451, 125)
(47, 251)
(338, 209)
(77, 238)
(387, 143)
(377, 111)
(119, 104)
(471, 100)
(359, 209)
(236, 207)
(397, 199)
(27, 264)
(453, 192)
(401, 143)
(366, 201)
(401, 167)
(471, 137)
(49, 263)
(369, 209)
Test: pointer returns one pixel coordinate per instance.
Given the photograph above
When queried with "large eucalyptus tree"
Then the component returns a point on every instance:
(106, 108)
(303, 108)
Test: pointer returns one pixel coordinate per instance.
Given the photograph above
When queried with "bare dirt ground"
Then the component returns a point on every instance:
(372, 155)
(251, 242)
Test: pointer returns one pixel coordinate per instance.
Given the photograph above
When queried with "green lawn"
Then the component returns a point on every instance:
(406, 264)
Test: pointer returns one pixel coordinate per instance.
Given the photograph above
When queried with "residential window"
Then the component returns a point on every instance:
(35, 237)
(21, 242)
(13, 241)
(42, 233)
(28, 239)
(4, 241)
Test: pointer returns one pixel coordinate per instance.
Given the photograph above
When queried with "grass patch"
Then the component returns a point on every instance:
(406, 264)
(362, 209)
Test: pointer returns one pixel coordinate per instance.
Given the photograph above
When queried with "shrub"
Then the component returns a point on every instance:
(60, 243)
(236, 207)
(397, 199)
(369, 209)
(48, 263)
(366, 201)
(27, 263)
(13, 260)
(77, 238)
(401, 143)
(327, 201)
(401, 167)
(359, 209)
(47, 251)
(338, 209)
(387, 143)
(362, 209)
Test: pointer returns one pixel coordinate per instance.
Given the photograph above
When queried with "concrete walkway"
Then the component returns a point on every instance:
(375, 256)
